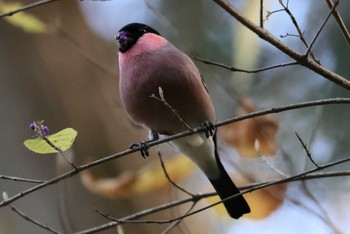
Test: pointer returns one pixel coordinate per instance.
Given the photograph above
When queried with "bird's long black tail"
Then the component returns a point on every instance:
(225, 188)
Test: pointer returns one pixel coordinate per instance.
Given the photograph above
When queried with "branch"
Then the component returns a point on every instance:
(248, 188)
(243, 70)
(168, 177)
(166, 104)
(296, 25)
(308, 51)
(261, 20)
(176, 223)
(37, 223)
(41, 131)
(13, 178)
(150, 211)
(340, 22)
(52, 145)
(170, 138)
(300, 58)
(308, 154)
(26, 7)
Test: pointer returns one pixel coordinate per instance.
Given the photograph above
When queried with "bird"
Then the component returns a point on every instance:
(162, 90)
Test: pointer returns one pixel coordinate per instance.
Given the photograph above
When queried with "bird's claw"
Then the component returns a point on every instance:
(143, 147)
(208, 128)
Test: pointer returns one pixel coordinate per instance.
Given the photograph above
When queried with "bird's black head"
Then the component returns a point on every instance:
(129, 34)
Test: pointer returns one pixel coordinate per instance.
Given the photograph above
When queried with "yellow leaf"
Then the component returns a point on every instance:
(29, 23)
(62, 139)
(149, 178)
(152, 176)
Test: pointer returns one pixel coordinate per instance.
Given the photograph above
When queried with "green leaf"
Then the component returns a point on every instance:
(63, 140)
(28, 22)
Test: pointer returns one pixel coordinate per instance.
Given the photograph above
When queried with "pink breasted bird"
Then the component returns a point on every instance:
(148, 63)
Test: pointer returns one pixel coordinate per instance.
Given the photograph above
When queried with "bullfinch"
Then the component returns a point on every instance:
(148, 64)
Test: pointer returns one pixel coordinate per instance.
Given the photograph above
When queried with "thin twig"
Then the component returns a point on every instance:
(302, 176)
(340, 22)
(39, 131)
(162, 99)
(269, 13)
(300, 58)
(249, 188)
(261, 13)
(321, 28)
(176, 223)
(26, 7)
(21, 179)
(105, 215)
(296, 25)
(289, 35)
(37, 223)
(273, 168)
(243, 70)
(168, 177)
(60, 152)
(170, 138)
(133, 218)
(308, 154)
(324, 214)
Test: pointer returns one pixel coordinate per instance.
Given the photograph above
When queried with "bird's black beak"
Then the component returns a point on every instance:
(117, 37)
(123, 41)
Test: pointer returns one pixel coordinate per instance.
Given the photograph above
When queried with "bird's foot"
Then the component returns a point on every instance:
(208, 128)
(143, 147)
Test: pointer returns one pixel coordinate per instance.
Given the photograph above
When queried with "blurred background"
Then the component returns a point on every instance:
(64, 70)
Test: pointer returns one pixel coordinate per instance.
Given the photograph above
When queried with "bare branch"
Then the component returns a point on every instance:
(243, 70)
(27, 7)
(176, 223)
(168, 177)
(321, 28)
(60, 152)
(37, 223)
(340, 22)
(324, 214)
(296, 25)
(300, 58)
(308, 154)
(261, 13)
(282, 109)
(40, 132)
(248, 188)
(146, 212)
(162, 99)
(21, 179)
(273, 168)
(173, 137)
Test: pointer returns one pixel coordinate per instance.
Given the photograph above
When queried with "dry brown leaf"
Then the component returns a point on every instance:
(252, 138)
(262, 202)
(149, 178)
(243, 135)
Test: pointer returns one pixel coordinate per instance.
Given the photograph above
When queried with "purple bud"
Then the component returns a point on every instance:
(44, 130)
(32, 126)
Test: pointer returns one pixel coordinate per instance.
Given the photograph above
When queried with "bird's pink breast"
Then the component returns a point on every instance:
(155, 63)
(146, 43)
